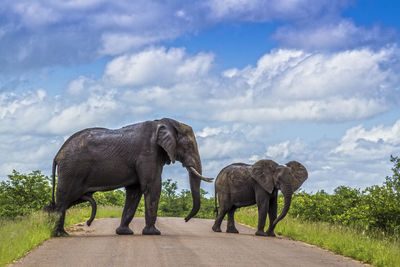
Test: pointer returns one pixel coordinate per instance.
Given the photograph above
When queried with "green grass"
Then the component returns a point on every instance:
(24, 233)
(339, 239)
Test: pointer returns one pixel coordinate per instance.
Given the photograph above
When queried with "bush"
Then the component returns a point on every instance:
(180, 204)
(22, 194)
(376, 208)
(110, 198)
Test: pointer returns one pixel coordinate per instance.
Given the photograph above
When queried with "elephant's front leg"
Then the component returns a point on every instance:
(272, 213)
(263, 204)
(133, 195)
(149, 173)
(151, 198)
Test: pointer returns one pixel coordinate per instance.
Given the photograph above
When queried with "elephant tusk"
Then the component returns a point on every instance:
(193, 170)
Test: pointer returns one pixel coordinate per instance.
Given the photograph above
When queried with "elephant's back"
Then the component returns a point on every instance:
(102, 143)
(76, 140)
(233, 177)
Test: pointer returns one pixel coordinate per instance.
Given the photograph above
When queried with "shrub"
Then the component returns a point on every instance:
(22, 194)
(179, 204)
(110, 198)
(376, 208)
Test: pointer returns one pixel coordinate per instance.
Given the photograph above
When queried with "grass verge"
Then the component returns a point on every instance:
(339, 239)
(22, 234)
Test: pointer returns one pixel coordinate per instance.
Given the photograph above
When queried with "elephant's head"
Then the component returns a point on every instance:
(179, 142)
(288, 178)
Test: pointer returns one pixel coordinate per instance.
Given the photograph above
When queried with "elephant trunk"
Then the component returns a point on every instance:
(195, 188)
(287, 194)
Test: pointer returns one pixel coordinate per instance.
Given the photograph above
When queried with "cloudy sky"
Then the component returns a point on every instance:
(309, 80)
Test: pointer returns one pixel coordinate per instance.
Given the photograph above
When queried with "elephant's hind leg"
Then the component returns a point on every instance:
(231, 221)
(223, 210)
(59, 230)
(133, 195)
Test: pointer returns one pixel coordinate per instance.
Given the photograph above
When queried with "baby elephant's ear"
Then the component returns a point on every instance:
(299, 174)
(263, 172)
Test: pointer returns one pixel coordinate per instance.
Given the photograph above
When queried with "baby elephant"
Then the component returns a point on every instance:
(239, 185)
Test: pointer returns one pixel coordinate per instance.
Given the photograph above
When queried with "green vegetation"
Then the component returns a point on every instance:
(175, 204)
(22, 194)
(376, 209)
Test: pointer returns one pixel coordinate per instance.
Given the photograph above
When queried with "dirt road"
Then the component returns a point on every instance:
(181, 244)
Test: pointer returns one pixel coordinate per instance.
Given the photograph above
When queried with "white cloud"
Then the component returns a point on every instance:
(157, 66)
(284, 10)
(36, 113)
(359, 143)
(97, 109)
(35, 14)
(79, 85)
(210, 131)
(23, 113)
(296, 86)
(286, 149)
(219, 148)
(26, 153)
(336, 34)
(335, 109)
(226, 8)
(117, 43)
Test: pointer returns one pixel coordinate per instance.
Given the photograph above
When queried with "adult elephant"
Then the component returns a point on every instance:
(239, 185)
(99, 159)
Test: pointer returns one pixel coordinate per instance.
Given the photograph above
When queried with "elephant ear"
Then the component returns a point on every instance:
(263, 172)
(299, 174)
(166, 139)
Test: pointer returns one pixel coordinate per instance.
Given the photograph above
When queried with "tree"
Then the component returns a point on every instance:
(393, 182)
(22, 193)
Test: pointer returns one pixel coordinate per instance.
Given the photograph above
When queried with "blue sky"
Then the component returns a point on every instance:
(307, 80)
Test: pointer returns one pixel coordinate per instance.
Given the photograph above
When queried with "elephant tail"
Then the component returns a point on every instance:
(52, 206)
(53, 177)
(215, 202)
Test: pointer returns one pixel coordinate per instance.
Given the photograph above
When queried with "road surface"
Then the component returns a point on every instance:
(181, 244)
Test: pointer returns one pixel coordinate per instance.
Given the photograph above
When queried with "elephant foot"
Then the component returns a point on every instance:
(216, 229)
(270, 233)
(123, 231)
(232, 230)
(261, 233)
(61, 233)
(151, 230)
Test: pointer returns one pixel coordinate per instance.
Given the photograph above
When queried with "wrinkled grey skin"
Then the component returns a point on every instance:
(99, 159)
(239, 185)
